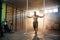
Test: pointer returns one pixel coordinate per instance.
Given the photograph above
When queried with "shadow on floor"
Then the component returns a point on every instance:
(36, 37)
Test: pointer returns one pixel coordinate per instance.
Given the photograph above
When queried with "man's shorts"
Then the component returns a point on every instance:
(35, 25)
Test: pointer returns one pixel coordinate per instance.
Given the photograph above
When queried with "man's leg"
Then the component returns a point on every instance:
(35, 25)
(36, 29)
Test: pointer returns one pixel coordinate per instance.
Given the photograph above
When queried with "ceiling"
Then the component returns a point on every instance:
(33, 4)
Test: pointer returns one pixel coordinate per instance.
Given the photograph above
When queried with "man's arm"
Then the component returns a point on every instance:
(29, 16)
(41, 16)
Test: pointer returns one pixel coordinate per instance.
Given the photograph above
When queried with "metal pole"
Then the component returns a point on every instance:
(44, 17)
(26, 16)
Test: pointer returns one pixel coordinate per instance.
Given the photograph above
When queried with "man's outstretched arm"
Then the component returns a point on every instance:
(29, 16)
(41, 16)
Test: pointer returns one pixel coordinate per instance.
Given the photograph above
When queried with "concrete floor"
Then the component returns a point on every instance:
(30, 36)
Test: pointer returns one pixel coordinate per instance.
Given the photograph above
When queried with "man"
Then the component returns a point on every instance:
(35, 21)
(6, 29)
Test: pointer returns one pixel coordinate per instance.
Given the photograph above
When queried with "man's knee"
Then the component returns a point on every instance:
(36, 29)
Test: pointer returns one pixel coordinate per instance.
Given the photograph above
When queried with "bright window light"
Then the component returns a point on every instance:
(50, 11)
(55, 10)
(46, 11)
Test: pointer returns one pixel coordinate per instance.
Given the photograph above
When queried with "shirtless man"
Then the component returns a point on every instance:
(35, 21)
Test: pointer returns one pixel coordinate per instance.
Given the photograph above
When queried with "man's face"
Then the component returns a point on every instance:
(34, 13)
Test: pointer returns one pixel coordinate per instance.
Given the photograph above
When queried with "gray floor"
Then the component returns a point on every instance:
(30, 36)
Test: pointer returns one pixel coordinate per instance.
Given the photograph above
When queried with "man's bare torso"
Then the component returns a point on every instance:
(35, 18)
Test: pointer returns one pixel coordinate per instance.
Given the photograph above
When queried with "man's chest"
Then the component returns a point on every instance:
(35, 17)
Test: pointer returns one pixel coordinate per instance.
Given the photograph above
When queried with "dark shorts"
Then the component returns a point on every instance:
(35, 25)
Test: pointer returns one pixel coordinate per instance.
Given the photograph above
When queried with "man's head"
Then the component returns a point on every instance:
(34, 12)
